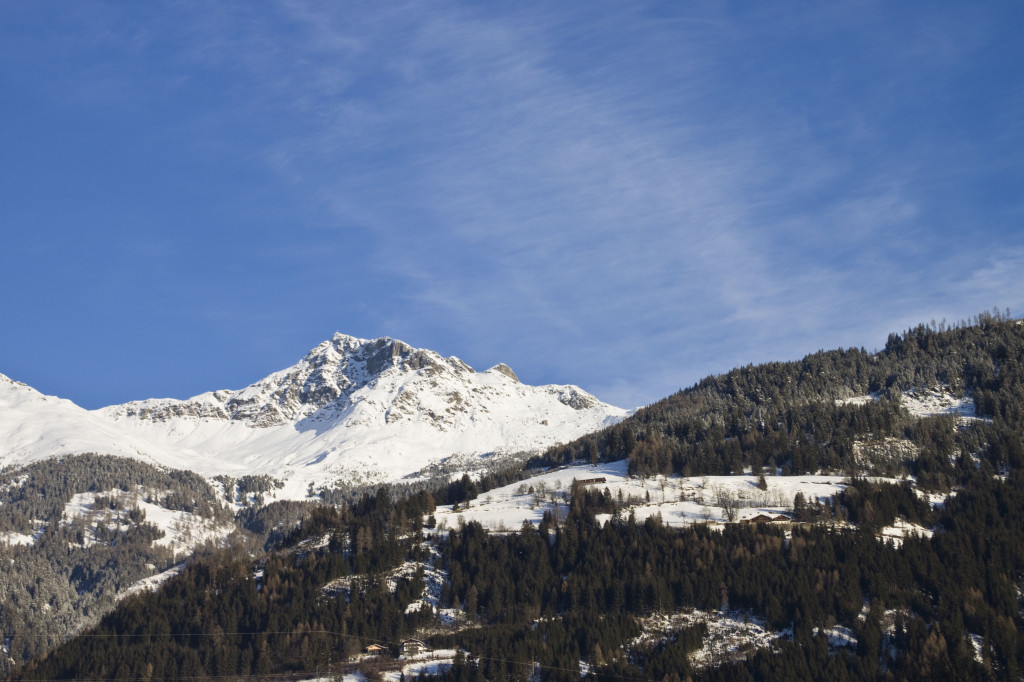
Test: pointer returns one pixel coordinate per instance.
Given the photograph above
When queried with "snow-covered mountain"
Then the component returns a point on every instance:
(352, 410)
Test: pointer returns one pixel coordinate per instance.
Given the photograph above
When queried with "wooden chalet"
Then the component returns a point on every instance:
(411, 647)
(765, 518)
(376, 650)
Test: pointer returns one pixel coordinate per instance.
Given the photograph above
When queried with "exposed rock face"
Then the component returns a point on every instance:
(329, 376)
(506, 370)
(576, 398)
(351, 409)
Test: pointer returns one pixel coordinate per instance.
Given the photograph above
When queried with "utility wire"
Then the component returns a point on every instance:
(288, 676)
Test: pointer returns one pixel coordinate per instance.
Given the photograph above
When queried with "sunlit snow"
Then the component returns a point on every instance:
(414, 409)
(679, 500)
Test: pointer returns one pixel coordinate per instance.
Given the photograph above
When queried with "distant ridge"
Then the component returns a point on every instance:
(352, 410)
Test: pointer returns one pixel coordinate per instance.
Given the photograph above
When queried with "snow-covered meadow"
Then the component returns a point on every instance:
(183, 532)
(679, 500)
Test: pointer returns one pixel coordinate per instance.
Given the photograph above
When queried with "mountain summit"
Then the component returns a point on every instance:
(351, 410)
(327, 382)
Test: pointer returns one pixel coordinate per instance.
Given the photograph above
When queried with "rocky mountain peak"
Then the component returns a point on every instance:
(506, 370)
(372, 409)
(327, 376)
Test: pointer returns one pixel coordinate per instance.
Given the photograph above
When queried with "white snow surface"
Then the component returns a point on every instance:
(153, 582)
(430, 662)
(838, 636)
(12, 538)
(901, 529)
(925, 402)
(978, 643)
(732, 635)
(184, 532)
(679, 501)
(351, 410)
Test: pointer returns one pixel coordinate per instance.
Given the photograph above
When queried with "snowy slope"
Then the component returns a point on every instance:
(680, 501)
(352, 410)
(34, 426)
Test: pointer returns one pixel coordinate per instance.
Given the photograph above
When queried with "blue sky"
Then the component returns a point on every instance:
(625, 196)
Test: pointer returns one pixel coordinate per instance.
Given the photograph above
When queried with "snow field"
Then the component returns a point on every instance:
(154, 581)
(926, 402)
(680, 501)
(929, 402)
(11, 538)
(183, 532)
(897, 532)
(431, 662)
(413, 411)
(732, 635)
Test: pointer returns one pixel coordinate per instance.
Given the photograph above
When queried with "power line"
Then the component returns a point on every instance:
(295, 675)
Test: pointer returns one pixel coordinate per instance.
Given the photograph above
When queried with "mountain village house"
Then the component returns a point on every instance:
(411, 647)
(765, 518)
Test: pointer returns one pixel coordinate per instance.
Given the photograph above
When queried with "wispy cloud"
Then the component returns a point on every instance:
(570, 214)
(626, 197)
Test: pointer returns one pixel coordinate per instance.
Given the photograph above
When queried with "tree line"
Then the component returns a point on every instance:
(794, 417)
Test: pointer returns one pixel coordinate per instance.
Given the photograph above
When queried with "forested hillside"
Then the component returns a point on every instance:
(78, 532)
(799, 417)
(62, 573)
(574, 596)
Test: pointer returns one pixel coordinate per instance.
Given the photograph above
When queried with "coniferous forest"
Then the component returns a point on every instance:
(573, 596)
